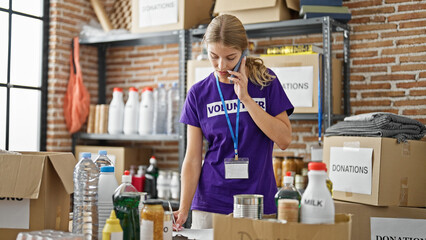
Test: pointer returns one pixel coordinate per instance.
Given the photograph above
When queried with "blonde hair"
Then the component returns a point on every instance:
(228, 30)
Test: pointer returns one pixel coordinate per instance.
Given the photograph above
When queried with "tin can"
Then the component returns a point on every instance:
(248, 206)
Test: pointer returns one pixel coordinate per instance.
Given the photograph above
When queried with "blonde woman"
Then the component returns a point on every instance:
(241, 114)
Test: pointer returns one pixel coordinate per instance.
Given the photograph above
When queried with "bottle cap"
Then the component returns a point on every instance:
(133, 89)
(288, 178)
(153, 160)
(174, 84)
(86, 155)
(107, 169)
(117, 89)
(102, 152)
(112, 218)
(316, 166)
(153, 202)
(126, 178)
(147, 89)
(161, 85)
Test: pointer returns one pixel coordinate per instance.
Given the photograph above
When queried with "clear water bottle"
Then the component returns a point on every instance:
(173, 109)
(116, 112)
(131, 112)
(146, 111)
(160, 109)
(85, 211)
(103, 160)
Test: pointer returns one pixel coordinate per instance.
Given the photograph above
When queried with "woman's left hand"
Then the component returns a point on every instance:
(240, 81)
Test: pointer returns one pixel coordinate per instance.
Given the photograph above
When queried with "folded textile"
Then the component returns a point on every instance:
(379, 124)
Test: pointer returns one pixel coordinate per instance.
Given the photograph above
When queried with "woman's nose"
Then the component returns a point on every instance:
(221, 64)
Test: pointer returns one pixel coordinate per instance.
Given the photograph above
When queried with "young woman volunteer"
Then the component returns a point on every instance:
(241, 116)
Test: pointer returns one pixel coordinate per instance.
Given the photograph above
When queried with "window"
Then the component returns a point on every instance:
(24, 26)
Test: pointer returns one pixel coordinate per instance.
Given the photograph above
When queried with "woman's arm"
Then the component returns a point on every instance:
(191, 170)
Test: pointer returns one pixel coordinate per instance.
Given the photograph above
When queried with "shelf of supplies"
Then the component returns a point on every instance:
(283, 28)
(133, 137)
(133, 39)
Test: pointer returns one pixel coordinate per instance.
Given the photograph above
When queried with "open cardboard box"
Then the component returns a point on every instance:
(228, 227)
(35, 190)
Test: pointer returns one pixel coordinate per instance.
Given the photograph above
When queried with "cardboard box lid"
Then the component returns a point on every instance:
(21, 175)
(238, 5)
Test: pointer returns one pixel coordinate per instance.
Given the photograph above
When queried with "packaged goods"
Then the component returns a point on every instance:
(107, 186)
(112, 229)
(168, 226)
(126, 202)
(152, 220)
(151, 178)
(146, 111)
(116, 112)
(276, 163)
(317, 206)
(85, 210)
(248, 206)
(131, 112)
(163, 185)
(287, 211)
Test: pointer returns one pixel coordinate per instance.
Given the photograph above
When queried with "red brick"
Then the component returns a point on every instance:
(414, 112)
(411, 41)
(172, 45)
(357, 78)
(362, 4)
(373, 61)
(309, 40)
(383, 94)
(363, 54)
(422, 75)
(412, 7)
(368, 69)
(392, 77)
(416, 84)
(301, 129)
(370, 86)
(149, 47)
(412, 24)
(417, 92)
(297, 146)
(310, 139)
(395, 111)
(398, 33)
(404, 50)
(408, 67)
(407, 16)
(421, 58)
(274, 42)
(368, 19)
(366, 45)
(401, 1)
(418, 102)
(374, 27)
(371, 11)
(364, 36)
(370, 103)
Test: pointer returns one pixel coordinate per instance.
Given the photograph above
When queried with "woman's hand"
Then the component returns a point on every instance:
(240, 81)
(180, 218)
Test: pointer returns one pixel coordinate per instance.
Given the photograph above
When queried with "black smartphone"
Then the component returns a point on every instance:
(237, 67)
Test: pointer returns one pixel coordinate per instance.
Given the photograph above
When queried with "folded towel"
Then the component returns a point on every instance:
(379, 125)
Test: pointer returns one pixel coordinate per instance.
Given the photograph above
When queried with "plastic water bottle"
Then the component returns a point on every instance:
(146, 111)
(151, 178)
(173, 109)
(175, 186)
(163, 185)
(317, 206)
(107, 186)
(116, 112)
(126, 202)
(131, 112)
(103, 159)
(160, 110)
(85, 211)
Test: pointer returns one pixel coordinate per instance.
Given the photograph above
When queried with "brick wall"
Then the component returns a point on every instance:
(388, 66)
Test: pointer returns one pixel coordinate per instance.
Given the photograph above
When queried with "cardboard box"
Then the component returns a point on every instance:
(255, 11)
(160, 15)
(197, 70)
(396, 171)
(122, 157)
(227, 227)
(382, 223)
(35, 188)
(300, 88)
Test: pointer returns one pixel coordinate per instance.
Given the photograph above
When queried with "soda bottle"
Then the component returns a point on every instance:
(126, 201)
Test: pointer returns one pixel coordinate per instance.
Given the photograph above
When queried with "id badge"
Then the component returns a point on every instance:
(236, 169)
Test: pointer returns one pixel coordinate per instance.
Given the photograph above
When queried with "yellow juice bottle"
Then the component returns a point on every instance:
(112, 229)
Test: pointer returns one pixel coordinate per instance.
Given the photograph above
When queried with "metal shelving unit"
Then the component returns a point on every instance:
(185, 38)
(323, 25)
(103, 43)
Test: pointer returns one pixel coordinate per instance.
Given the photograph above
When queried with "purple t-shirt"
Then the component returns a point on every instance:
(203, 109)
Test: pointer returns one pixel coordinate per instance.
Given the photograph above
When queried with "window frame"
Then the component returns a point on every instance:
(44, 72)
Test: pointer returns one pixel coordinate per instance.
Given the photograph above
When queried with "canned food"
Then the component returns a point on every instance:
(248, 206)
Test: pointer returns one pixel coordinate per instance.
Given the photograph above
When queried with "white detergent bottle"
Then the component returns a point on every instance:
(131, 112)
(146, 111)
(116, 112)
(317, 205)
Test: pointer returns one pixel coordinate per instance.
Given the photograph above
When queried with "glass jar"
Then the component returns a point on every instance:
(152, 220)
(276, 163)
(299, 164)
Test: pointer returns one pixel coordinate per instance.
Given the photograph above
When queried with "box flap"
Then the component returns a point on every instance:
(20, 175)
(237, 5)
(64, 164)
(293, 4)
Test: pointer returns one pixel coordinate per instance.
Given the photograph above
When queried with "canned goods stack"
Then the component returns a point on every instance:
(248, 205)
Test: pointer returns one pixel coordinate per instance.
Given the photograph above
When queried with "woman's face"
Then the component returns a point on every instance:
(223, 58)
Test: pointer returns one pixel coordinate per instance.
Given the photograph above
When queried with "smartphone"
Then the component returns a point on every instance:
(237, 67)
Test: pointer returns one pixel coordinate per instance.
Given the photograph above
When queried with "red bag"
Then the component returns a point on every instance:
(77, 98)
